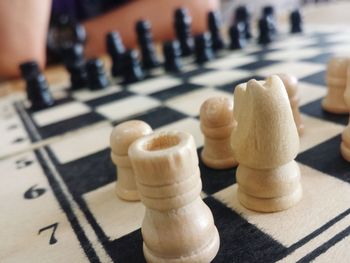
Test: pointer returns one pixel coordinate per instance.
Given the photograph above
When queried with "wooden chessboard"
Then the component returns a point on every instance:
(57, 190)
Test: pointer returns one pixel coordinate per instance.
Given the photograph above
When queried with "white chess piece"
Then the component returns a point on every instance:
(178, 226)
(336, 83)
(265, 142)
(216, 117)
(122, 136)
(345, 144)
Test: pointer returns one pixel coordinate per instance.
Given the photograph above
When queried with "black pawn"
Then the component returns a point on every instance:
(29, 70)
(237, 36)
(203, 48)
(183, 22)
(265, 32)
(145, 39)
(38, 92)
(296, 22)
(97, 78)
(269, 13)
(242, 16)
(115, 49)
(132, 71)
(172, 53)
(73, 59)
(214, 24)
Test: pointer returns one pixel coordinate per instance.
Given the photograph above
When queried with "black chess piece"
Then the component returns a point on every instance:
(237, 36)
(214, 25)
(63, 31)
(73, 59)
(37, 89)
(131, 70)
(97, 78)
(183, 22)
(115, 49)
(269, 13)
(265, 32)
(145, 39)
(242, 16)
(29, 70)
(172, 54)
(296, 22)
(203, 48)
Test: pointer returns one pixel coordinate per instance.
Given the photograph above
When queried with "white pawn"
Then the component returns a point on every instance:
(345, 144)
(336, 84)
(122, 136)
(216, 117)
(265, 142)
(178, 226)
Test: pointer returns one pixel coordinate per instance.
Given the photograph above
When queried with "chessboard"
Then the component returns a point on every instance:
(57, 191)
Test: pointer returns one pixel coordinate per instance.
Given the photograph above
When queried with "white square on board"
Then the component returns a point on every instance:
(60, 113)
(219, 77)
(127, 107)
(154, 85)
(191, 102)
(81, 144)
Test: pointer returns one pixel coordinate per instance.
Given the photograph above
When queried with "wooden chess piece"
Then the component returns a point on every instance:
(345, 144)
(265, 142)
(336, 83)
(216, 117)
(122, 136)
(178, 226)
(291, 84)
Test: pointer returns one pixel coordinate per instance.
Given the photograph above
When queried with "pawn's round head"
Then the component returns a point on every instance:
(124, 134)
(216, 112)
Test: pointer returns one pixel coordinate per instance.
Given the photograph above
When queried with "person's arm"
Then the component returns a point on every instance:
(159, 13)
(23, 30)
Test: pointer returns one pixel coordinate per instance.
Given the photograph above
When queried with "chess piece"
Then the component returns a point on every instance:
(265, 142)
(269, 14)
(242, 16)
(172, 54)
(216, 117)
(145, 39)
(131, 70)
(345, 144)
(37, 89)
(183, 22)
(296, 22)
(97, 78)
(203, 48)
(73, 59)
(265, 31)
(336, 84)
(237, 38)
(291, 84)
(122, 136)
(115, 49)
(29, 70)
(178, 226)
(214, 25)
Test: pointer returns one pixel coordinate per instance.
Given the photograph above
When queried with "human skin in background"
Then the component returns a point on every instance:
(24, 25)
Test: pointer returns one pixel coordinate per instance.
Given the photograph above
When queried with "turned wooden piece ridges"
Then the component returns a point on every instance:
(122, 136)
(265, 142)
(178, 226)
(291, 84)
(216, 122)
(345, 144)
(336, 83)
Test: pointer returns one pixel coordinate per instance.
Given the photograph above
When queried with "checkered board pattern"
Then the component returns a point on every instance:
(57, 193)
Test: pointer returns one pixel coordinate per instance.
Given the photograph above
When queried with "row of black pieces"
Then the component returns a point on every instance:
(83, 73)
(91, 74)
